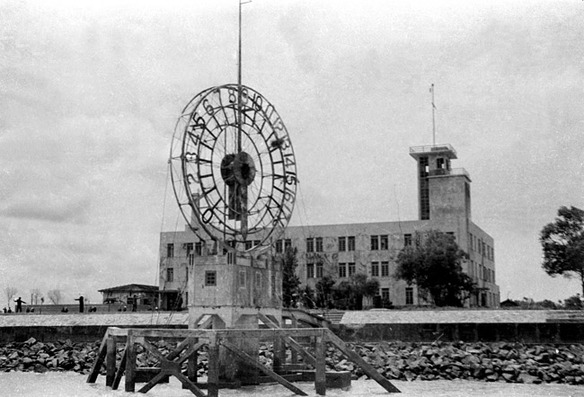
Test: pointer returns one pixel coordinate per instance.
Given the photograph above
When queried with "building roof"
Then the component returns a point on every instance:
(131, 288)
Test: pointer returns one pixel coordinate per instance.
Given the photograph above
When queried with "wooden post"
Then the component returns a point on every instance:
(279, 354)
(110, 361)
(192, 363)
(213, 367)
(130, 363)
(320, 375)
(293, 352)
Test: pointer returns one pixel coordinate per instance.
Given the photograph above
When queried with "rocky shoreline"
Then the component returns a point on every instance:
(490, 362)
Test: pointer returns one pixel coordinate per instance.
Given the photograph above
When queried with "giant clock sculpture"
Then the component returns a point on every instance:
(233, 168)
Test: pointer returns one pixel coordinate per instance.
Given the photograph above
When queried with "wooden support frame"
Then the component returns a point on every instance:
(194, 339)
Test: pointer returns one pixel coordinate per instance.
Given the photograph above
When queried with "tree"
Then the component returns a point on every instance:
(54, 296)
(324, 290)
(10, 293)
(563, 244)
(434, 265)
(573, 303)
(290, 281)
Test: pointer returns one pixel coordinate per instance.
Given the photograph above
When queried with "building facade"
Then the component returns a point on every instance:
(340, 251)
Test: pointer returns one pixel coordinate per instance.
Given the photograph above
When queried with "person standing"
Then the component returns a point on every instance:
(19, 303)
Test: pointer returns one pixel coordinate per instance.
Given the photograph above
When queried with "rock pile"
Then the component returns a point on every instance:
(491, 362)
(41, 357)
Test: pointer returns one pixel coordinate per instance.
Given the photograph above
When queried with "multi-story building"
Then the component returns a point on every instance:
(444, 199)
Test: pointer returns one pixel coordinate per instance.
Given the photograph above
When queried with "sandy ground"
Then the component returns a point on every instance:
(57, 384)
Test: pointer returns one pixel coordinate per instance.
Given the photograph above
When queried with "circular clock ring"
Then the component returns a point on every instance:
(233, 168)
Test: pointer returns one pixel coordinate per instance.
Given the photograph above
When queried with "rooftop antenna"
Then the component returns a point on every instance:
(433, 116)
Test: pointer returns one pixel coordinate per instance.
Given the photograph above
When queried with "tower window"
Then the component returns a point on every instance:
(170, 274)
(440, 163)
(210, 278)
(170, 250)
(407, 240)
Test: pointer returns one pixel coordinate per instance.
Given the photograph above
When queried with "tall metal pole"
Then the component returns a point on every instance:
(433, 116)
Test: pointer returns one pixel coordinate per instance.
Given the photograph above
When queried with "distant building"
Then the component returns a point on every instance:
(142, 295)
(444, 199)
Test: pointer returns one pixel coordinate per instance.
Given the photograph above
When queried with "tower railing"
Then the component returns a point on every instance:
(432, 148)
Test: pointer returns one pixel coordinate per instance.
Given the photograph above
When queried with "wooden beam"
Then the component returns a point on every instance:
(190, 385)
(248, 359)
(120, 371)
(296, 347)
(213, 367)
(320, 367)
(366, 367)
(110, 361)
(130, 363)
(99, 359)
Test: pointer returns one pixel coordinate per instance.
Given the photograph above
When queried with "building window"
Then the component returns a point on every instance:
(231, 258)
(383, 242)
(287, 244)
(342, 244)
(342, 270)
(258, 280)
(279, 246)
(409, 296)
(374, 269)
(189, 248)
(351, 268)
(210, 278)
(384, 269)
(310, 270)
(170, 275)
(319, 244)
(310, 244)
(385, 294)
(471, 245)
(242, 279)
(248, 244)
(319, 270)
(374, 243)
(407, 240)
(351, 243)
(187, 274)
(199, 248)
(170, 250)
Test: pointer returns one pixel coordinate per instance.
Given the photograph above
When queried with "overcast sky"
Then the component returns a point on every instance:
(90, 93)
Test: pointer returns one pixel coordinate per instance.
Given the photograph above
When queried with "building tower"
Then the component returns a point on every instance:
(443, 192)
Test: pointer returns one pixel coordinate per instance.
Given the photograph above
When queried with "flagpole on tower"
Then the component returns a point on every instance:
(433, 116)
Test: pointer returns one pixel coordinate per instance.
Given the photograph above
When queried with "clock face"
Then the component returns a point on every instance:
(233, 168)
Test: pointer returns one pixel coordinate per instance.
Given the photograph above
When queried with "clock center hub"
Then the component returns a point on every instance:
(238, 169)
